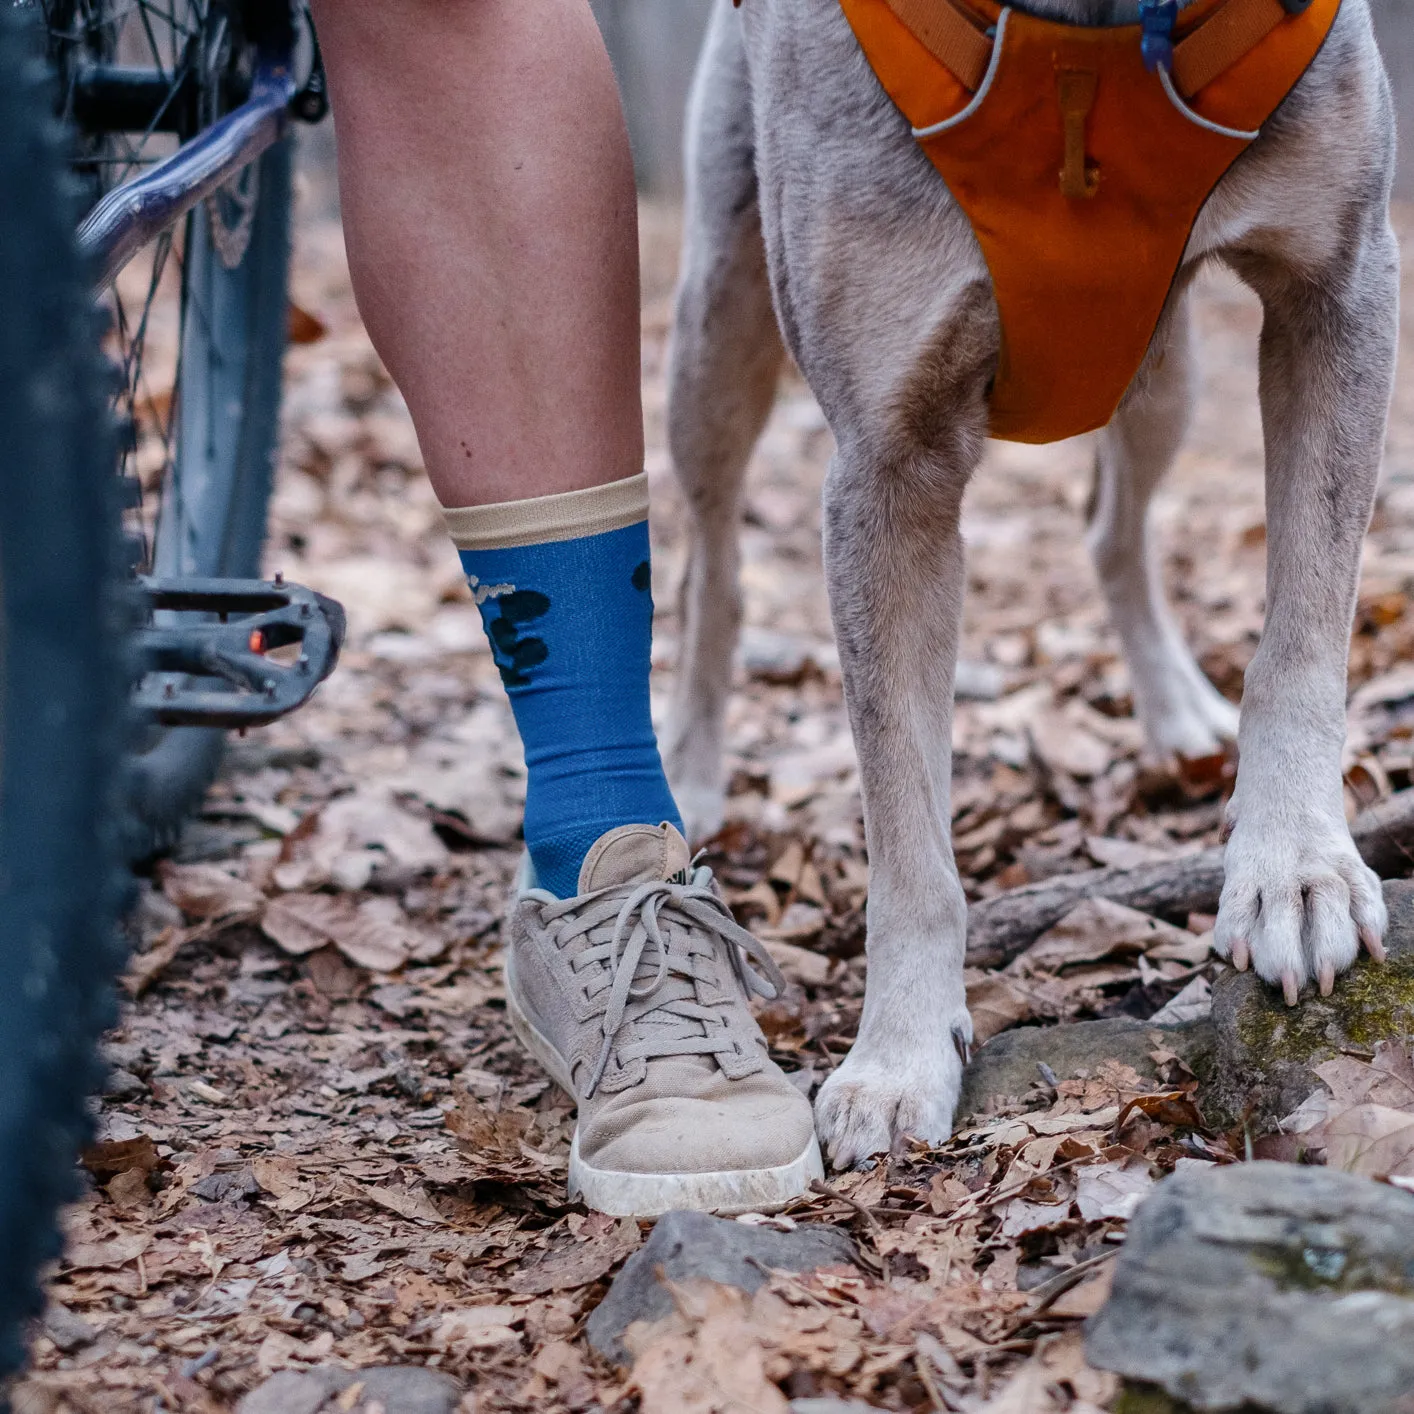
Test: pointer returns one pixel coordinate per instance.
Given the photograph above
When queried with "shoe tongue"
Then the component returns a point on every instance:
(634, 854)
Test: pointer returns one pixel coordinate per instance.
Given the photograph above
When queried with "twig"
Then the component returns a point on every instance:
(1046, 1295)
(978, 1201)
(818, 1185)
(925, 1378)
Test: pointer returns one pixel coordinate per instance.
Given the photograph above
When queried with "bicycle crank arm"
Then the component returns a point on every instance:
(218, 672)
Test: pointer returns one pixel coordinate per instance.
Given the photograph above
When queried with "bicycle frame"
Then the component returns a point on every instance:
(137, 212)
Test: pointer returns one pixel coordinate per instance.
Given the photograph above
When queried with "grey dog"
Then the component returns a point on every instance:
(816, 223)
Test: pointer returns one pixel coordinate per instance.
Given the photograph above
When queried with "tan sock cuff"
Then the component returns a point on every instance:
(543, 519)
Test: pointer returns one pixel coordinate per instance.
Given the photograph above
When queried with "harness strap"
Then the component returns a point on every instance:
(1218, 43)
(1234, 28)
(950, 37)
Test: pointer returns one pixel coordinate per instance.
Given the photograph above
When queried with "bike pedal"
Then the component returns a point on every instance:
(204, 656)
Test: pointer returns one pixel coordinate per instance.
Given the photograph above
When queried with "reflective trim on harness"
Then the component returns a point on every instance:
(993, 59)
(1176, 99)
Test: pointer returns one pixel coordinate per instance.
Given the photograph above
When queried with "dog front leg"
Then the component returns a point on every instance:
(1298, 900)
(894, 565)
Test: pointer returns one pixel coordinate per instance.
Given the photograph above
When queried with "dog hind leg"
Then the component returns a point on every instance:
(723, 366)
(1183, 714)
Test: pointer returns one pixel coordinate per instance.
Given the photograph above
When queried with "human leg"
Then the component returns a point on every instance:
(489, 207)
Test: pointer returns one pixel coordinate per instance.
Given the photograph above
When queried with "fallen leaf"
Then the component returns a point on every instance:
(109, 1158)
(374, 934)
(304, 327)
(1026, 1392)
(578, 1265)
(478, 1327)
(146, 967)
(300, 923)
(1095, 929)
(1369, 1139)
(279, 1176)
(704, 1358)
(1174, 1107)
(205, 891)
(1083, 1301)
(1022, 1215)
(410, 1203)
(105, 1256)
(996, 1003)
(1111, 1190)
(129, 1189)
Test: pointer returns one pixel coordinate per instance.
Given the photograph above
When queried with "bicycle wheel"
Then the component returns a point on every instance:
(62, 691)
(199, 319)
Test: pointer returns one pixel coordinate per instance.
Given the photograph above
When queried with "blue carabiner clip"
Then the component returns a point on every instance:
(1157, 19)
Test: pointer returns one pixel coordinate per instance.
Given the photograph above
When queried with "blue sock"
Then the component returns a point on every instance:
(564, 589)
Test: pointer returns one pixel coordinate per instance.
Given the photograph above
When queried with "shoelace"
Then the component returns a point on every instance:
(637, 922)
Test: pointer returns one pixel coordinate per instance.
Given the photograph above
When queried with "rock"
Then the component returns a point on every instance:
(1006, 1067)
(399, 1389)
(1265, 1050)
(686, 1245)
(1271, 1286)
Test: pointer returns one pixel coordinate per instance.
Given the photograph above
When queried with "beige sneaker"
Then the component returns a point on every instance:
(633, 995)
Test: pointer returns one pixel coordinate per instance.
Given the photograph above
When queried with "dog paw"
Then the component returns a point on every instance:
(872, 1100)
(1297, 904)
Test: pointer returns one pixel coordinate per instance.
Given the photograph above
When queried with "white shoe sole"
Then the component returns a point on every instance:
(649, 1195)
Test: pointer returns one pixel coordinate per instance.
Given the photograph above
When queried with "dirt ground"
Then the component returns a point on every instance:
(320, 1143)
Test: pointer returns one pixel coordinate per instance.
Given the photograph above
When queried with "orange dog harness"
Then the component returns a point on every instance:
(1082, 168)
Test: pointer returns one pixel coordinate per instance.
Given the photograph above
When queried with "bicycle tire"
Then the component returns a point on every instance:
(168, 779)
(63, 692)
(222, 440)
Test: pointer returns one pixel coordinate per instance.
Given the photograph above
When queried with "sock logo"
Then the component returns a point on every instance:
(482, 592)
(516, 655)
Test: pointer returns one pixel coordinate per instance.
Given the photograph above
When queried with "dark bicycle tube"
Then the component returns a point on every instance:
(137, 212)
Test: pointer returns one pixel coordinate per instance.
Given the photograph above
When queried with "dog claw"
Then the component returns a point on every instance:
(1240, 955)
(1373, 944)
(1289, 988)
(1327, 979)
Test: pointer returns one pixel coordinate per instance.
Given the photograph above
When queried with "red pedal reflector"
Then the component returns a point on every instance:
(257, 640)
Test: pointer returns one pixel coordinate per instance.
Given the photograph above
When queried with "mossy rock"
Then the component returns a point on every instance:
(1263, 1286)
(1266, 1051)
(1148, 1399)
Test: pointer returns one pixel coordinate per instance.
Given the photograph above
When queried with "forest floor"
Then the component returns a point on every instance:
(321, 1143)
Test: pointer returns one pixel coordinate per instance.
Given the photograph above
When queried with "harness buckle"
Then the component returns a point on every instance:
(1157, 19)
